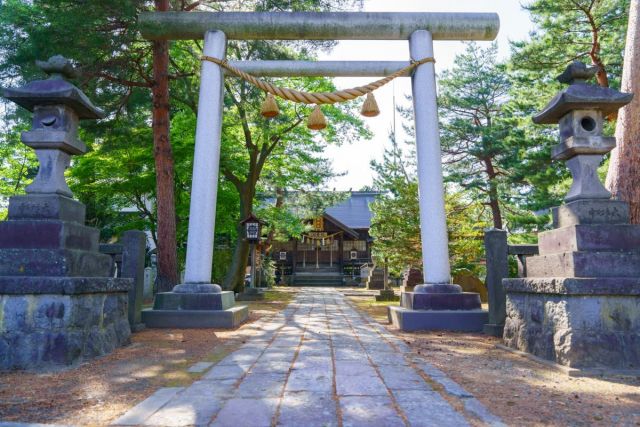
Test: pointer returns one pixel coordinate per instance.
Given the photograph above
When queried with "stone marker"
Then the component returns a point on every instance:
(497, 251)
(580, 302)
(134, 249)
(58, 303)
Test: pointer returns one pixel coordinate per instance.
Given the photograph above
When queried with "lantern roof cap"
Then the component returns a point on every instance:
(55, 90)
(252, 218)
(581, 95)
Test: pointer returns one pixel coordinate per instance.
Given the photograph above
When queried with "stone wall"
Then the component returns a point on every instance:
(38, 330)
(581, 323)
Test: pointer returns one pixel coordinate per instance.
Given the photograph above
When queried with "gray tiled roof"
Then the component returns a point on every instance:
(354, 212)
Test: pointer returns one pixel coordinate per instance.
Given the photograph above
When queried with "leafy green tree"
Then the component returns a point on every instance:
(115, 64)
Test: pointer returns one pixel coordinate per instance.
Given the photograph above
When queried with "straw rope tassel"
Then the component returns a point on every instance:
(269, 107)
(316, 119)
(370, 106)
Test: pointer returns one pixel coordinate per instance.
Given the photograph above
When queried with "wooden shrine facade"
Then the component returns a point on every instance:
(338, 241)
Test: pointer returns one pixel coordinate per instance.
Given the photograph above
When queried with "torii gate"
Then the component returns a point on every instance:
(420, 29)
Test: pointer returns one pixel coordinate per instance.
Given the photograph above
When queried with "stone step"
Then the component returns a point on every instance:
(318, 274)
(32, 234)
(621, 237)
(585, 264)
(54, 262)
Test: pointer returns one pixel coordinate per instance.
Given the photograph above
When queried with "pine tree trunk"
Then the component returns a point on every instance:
(623, 178)
(494, 202)
(163, 156)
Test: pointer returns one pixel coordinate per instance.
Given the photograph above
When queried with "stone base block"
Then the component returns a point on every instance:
(584, 264)
(31, 234)
(580, 323)
(194, 301)
(46, 207)
(602, 237)
(440, 301)
(51, 322)
(429, 320)
(387, 295)
(590, 212)
(226, 319)
(251, 294)
(54, 262)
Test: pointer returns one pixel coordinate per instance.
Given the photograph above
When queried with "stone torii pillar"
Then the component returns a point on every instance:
(433, 221)
(206, 164)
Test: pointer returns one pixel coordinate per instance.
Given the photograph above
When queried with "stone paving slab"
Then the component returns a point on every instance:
(139, 413)
(308, 409)
(317, 363)
(428, 409)
(238, 412)
(369, 411)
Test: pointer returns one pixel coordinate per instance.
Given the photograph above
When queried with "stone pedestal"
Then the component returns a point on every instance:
(580, 304)
(57, 303)
(195, 306)
(439, 307)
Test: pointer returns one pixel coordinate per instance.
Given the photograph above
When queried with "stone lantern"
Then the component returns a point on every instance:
(58, 303)
(580, 110)
(253, 231)
(579, 304)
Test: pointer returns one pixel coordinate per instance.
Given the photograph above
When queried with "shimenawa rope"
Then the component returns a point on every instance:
(317, 98)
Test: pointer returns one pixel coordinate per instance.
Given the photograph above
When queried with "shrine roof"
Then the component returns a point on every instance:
(354, 212)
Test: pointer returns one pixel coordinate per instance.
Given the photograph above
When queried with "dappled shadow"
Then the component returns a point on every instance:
(99, 390)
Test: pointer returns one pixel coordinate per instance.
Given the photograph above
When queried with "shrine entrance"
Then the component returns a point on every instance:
(420, 29)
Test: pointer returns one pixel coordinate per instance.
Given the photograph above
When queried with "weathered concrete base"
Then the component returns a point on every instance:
(438, 307)
(428, 320)
(440, 301)
(195, 310)
(580, 323)
(251, 294)
(226, 319)
(49, 322)
(387, 295)
(194, 301)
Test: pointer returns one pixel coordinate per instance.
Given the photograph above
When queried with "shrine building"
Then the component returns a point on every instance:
(335, 248)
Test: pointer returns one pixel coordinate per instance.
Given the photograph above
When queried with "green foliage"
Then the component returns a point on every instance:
(396, 219)
(587, 30)
(18, 166)
(490, 149)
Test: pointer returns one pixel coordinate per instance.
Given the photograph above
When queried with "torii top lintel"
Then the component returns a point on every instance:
(318, 25)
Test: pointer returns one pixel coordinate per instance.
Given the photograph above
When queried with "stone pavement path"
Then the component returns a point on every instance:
(317, 363)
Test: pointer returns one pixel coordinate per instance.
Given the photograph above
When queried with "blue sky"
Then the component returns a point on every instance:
(355, 158)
